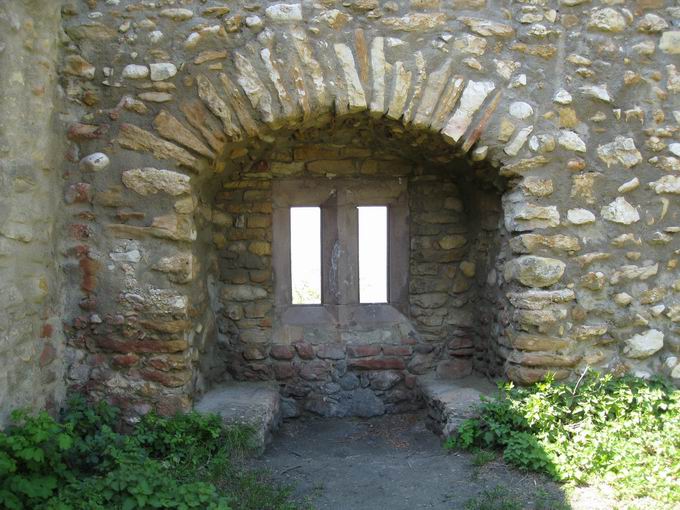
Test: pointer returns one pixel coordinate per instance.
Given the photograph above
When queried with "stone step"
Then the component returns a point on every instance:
(256, 404)
(451, 401)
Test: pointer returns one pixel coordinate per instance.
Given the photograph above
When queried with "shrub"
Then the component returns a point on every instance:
(624, 431)
(83, 463)
(32, 460)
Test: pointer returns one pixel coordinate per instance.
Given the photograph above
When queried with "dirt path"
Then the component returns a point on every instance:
(392, 462)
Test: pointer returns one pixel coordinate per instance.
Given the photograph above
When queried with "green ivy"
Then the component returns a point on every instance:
(624, 431)
(83, 462)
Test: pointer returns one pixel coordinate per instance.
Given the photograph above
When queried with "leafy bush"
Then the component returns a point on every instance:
(83, 463)
(623, 431)
(93, 430)
(32, 461)
(187, 441)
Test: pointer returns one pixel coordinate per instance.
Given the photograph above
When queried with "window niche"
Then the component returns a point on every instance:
(351, 286)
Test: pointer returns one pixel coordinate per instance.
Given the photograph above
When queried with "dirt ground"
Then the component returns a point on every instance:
(392, 462)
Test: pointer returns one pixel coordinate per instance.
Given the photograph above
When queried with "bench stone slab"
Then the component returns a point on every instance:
(451, 401)
(256, 404)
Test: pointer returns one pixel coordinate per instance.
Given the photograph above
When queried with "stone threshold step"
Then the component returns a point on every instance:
(451, 401)
(256, 404)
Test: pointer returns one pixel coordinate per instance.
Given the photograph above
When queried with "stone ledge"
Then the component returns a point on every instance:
(256, 404)
(450, 402)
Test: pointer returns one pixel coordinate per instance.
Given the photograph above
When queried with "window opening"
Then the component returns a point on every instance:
(305, 255)
(372, 254)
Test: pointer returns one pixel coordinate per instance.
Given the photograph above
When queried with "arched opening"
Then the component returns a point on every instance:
(198, 292)
(342, 356)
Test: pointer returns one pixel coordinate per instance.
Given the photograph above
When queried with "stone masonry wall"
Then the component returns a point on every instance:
(31, 337)
(357, 369)
(573, 103)
(455, 242)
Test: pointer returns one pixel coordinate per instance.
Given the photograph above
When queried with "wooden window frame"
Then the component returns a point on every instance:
(338, 200)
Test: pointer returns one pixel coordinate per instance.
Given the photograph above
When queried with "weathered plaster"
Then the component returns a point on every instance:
(31, 149)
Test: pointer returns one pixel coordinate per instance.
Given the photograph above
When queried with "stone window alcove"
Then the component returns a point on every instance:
(343, 357)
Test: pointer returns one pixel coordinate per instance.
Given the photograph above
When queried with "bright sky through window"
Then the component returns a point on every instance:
(372, 254)
(305, 255)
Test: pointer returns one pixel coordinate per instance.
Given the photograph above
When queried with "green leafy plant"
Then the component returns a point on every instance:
(93, 427)
(32, 463)
(140, 484)
(623, 431)
(188, 440)
(83, 462)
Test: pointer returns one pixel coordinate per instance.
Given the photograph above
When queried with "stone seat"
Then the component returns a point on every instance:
(451, 401)
(256, 404)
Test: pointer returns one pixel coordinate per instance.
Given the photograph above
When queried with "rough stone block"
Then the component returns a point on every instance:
(454, 368)
(450, 402)
(255, 404)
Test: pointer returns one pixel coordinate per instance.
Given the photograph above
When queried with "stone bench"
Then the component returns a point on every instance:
(451, 401)
(256, 404)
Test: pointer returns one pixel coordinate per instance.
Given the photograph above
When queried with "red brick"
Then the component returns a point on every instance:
(78, 193)
(78, 231)
(98, 360)
(47, 331)
(126, 346)
(169, 362)
(304, 350)
(377, 364)
(89, 268)
(397, 350)
(169, 379)
(282, 352)
(78, 131)
(80, 250)
(124, 360)
(362, 350)
(49, 353)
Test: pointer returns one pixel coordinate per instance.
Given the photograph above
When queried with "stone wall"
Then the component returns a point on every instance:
(574, 104)
(31, 338)
(456, 245)
(339, 368)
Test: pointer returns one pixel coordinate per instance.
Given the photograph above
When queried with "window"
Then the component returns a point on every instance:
(341, 248)
(305, 255)
(372, 254)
